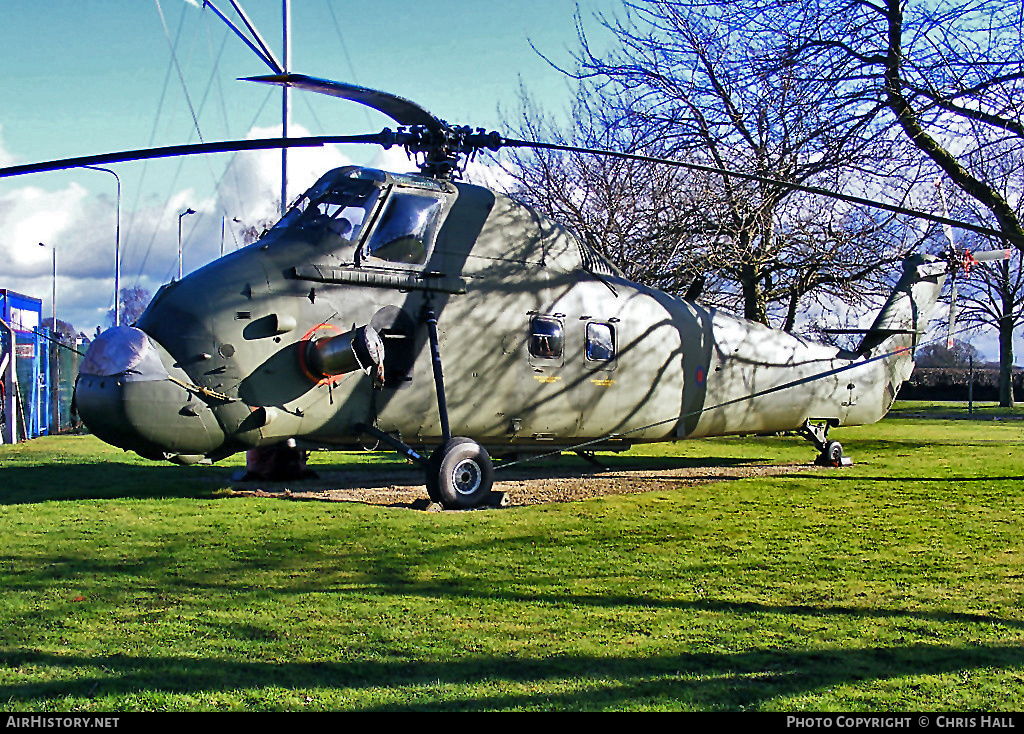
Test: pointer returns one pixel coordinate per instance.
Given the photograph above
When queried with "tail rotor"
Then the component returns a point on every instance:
(960, 264)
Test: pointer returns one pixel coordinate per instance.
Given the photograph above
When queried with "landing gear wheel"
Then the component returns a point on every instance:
(460, 474)
(434, 467)
(832, 454)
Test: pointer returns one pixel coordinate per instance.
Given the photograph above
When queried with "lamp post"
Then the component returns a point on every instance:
(55, 376)
(286, 18)
(223, 228)
(180, 217)
(53, 299)
(117, 247)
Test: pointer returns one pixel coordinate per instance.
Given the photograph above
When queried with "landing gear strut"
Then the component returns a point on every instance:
(830, 452)
(459, 472)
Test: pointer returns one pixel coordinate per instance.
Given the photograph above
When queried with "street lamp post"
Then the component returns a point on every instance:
(180, 217)
(223, 228)
(117, 247)
(53, 298)
(55, 375)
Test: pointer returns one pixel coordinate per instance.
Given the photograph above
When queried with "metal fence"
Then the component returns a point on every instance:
(37, 372)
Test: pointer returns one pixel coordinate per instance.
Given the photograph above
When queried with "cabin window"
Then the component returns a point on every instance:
(406, 228)
(600, 342)
(546, 337)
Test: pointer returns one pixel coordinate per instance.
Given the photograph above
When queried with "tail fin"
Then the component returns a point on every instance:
(905, 315)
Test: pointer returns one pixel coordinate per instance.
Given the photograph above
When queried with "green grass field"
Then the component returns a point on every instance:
(892, 585)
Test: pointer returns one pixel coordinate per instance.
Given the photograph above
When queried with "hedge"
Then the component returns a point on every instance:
(950, 383)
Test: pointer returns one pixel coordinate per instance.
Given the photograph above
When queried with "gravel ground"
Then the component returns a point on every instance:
(512, 487)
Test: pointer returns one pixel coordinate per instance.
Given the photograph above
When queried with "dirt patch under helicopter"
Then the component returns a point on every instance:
(515, 486)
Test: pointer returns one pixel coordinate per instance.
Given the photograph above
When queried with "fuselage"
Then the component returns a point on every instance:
(541, 342)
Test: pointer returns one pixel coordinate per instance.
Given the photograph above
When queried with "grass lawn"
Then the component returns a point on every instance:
(892, 585)
(955, 409)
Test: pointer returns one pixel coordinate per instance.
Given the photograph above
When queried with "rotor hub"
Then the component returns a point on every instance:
(441, 152)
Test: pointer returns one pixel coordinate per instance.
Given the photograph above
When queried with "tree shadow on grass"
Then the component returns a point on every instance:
(68, 482)
(349, 572)
(690, 680)
(91, 481)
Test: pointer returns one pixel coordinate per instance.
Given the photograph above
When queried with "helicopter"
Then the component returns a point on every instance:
(454, 324)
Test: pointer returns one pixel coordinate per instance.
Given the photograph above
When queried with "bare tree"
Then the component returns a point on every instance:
(992, 295)
(999, 301)
(948, 74)
(134, 301)
(629, 211)
(687, 84)
(992, 292)
(939, 354)
(945, 77)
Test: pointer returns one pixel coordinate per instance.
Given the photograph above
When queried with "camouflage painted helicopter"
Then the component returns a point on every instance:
(420, 311)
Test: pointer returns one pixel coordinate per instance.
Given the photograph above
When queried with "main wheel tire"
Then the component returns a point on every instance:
(460, 473)
(434, 467)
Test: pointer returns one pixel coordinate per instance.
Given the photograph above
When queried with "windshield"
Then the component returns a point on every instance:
(341, 210)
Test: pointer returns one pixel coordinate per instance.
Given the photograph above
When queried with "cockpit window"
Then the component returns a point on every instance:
(406, 228)
(342, 210)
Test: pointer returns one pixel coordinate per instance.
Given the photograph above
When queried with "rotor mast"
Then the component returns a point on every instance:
(286, 15)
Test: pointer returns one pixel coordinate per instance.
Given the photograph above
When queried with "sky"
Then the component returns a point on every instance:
(84, 77)
(104, 75)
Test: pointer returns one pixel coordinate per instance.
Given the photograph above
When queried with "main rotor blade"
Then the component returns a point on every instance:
(988, 231)
(399, 109)
(228, 146)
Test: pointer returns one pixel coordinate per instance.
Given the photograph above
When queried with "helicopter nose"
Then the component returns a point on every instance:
(127, 396)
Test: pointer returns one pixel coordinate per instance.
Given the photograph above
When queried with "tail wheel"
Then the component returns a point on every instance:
(832, 454)
(460, 474)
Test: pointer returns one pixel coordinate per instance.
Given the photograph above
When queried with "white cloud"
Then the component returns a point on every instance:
(393, 159)
(251, 186)
(490, 175)
(65, 220)
(32, 215)
(6, 159)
